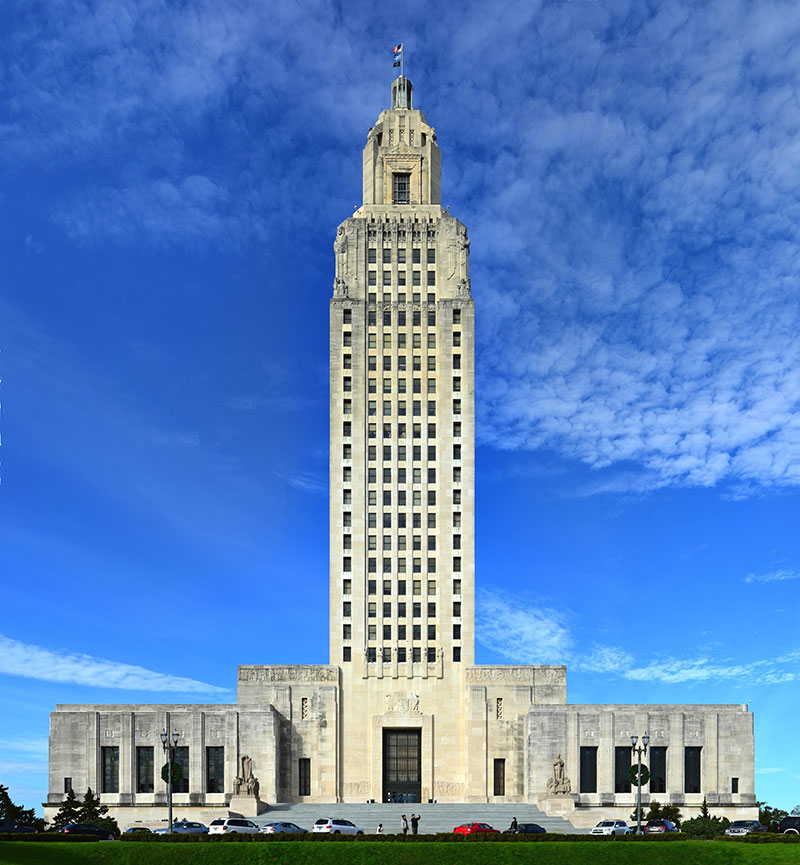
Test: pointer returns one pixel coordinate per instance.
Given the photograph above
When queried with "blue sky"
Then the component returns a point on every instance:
(173, 175)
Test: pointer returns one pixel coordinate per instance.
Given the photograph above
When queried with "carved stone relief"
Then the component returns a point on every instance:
(404, 702)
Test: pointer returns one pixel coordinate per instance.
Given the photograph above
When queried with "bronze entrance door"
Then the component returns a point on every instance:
(402, 771)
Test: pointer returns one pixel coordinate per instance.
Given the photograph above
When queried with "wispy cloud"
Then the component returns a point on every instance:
(36, 662)
(529, 634)
(770, 770)
(772, 576)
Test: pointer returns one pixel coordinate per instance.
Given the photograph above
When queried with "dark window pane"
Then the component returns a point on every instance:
(304, 773)
(691, 770)
(499, 777)
(144, 770)
(622, 765)
(588, 782)
(111, 770)
(215, 769)
(182, 759)
(401, 188)
(658, 770)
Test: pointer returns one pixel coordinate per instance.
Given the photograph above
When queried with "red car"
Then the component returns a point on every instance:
(473, 828)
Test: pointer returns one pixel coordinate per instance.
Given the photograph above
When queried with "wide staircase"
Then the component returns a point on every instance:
(433, 818)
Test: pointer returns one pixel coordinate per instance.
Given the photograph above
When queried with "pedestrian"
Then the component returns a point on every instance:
(513, 826)
(405, 825)
(414, 823)
(379, 830)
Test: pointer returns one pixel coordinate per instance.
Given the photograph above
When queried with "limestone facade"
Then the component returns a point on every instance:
(402, 712)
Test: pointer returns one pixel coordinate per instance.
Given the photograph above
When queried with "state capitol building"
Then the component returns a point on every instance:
(401, 712)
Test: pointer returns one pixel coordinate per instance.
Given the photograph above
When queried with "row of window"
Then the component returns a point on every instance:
(347, 608)
(402, 318)
(400, 568)
(416, 364)
(402, 632)
(416, 471)
(402, 501)
(402, 383)
(416, 315)
(145, 770)
(402, 433)
(416, 520)
(386, 252)
(657, 763)
(372, 429)
(415, 656)
(416, 278)
(402, 540)
(416, 606)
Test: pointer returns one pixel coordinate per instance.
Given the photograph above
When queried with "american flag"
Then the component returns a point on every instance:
(398, 49)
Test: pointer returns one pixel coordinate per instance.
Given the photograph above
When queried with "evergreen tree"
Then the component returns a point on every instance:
(92, 811)
(657, 811)
(11, 813)
(770, 817)
(67, 813)
(704, 813)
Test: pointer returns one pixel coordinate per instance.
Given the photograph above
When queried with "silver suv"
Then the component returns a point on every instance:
(232, 824)
(336, 827)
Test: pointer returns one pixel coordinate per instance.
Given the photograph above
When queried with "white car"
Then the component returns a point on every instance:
(610, 827)
(335, 826)
(232, 824)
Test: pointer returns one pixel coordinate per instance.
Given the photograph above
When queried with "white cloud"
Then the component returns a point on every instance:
(529, 634)
(36, 662)
(772, 576)
(771, 770)
(521, 632)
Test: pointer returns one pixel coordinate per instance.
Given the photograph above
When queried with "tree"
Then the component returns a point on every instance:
(67, 813)
(91, 811)
(796, 809)
(770, 817)
(704, 813)
(705, 827)
(11, 813)
(660, 812)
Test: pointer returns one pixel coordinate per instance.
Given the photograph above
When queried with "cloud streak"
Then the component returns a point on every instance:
(772, 576)
(36, 662)
(527, 634)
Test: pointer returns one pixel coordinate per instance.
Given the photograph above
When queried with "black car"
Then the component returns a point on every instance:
(527, 829)
(10, 826)
(88, 829)
(790, 825)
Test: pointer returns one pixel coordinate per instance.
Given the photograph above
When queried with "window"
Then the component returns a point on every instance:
(457, 610)
(456, 632)
(431, 318)
(457, 429)
(372, 586)
(347, 338)
(347, 542)
(346, 653)
(371, 655)
(347, 564)
(372, 278)
(144, 770)
(182, 759)
(431, 277)
(499, 774)
(658, 770)
(110, 770)
(622, 765)
(431, 632)
(456, 316)
(371, 255)
(431, 498)
(431, 255)
(456, 542)
(67, 784)
(457, 383)
(416, 610)
(387, 632)
(456, 497)
(456, 339)
(415, 280)
(416, 631)
(347, 429)
(456, 406)
(401, 654)
(371, 341)
(588, 770)
(346, 610)
(401, 188)
(456, 361)
(456, 653)
(734, 785)
(346, 587)
(387, 654)
(415, 255)
(431, 340)
(457, 564)
(456, 587)
(387, 277)
(371, 610)
(401, 255)
(387, 318)
(372, 632)
(347, 632)
(215, 769)
(431, 430)
(416, 654)
(387, 340)
(691, 770)
(304, 776)
(431, 654)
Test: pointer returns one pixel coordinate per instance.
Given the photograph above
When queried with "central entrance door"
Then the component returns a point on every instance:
(402, 770)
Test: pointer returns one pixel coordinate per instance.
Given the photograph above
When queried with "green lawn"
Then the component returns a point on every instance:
(369, 853)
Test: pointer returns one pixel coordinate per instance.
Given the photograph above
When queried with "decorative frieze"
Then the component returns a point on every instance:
(299, 673)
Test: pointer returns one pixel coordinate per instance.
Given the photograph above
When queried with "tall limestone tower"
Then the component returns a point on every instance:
(402, 462)
(401, 713)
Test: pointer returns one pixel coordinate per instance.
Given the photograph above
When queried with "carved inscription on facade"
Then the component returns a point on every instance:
(403, 702)
(448, 788)
(289, 674)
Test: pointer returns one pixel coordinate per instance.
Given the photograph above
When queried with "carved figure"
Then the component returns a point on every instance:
(402, 702)
(463, 287)
(246, 779)
(340, 248)
(559, 784)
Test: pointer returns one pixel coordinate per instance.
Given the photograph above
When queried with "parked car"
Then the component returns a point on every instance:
(790, 825)
(184, 827)
(526, 829)
(87, 829)
(232, 824)
(610, 827)
(143, 829)
(744, 827)
(655, 827)
(474, 828)
(281, 827)
(11, 826)
(336, 826)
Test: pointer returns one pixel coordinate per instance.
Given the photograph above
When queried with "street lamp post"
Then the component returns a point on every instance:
(639, 751)
(169, 750)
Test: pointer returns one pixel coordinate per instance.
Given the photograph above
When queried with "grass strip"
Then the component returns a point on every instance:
(369, 853)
